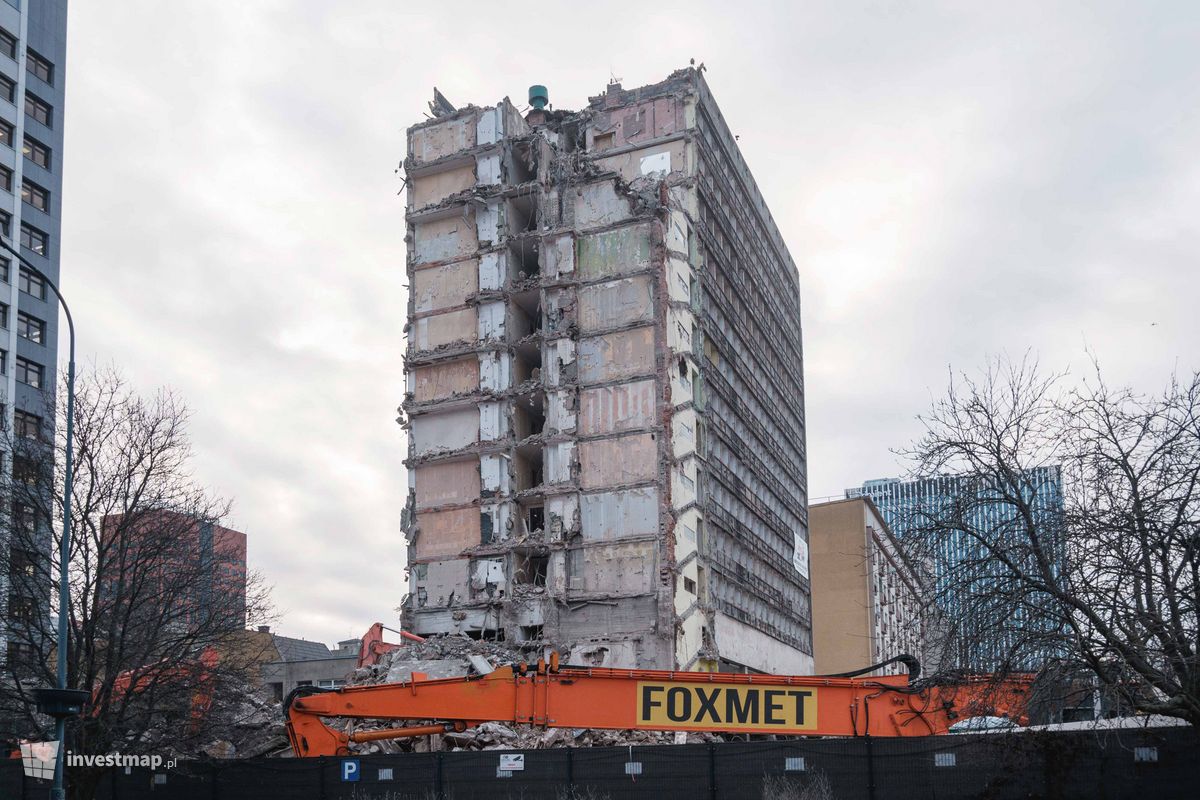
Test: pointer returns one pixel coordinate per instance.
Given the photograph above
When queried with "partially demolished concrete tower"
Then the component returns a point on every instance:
(605, 391)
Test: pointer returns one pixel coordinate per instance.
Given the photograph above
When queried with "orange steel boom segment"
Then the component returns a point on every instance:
(651, 700)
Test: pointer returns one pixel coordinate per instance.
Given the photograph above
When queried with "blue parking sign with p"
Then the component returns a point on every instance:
(350, 770)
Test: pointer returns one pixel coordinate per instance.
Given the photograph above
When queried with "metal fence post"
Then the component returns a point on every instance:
(712, 770)
(870, 768)
(571, 770)
(438, 791)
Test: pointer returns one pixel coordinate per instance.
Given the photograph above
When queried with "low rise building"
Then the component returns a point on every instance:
(300, 662)
(869, 598)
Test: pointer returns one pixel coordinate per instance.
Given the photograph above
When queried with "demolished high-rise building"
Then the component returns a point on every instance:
(605, 391)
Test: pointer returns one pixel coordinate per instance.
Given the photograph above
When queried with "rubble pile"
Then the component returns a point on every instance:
(437, 657)
(505, 736)
(448, 656)
(498, 736)
(255, 731)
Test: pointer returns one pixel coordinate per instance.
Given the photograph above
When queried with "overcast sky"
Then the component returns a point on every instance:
(951, 183)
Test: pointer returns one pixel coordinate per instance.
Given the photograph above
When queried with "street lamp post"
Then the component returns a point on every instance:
(61, 704)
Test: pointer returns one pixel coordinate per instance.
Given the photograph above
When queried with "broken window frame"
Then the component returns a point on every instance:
(530, 568)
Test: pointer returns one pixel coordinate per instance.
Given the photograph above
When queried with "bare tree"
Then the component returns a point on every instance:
(159, 602)
(1069, 533)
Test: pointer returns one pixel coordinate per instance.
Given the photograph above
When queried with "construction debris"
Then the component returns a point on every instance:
(436, 657)
(501, 736)
(496, 736)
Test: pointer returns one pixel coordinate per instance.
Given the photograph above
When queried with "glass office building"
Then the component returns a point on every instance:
(992, 622)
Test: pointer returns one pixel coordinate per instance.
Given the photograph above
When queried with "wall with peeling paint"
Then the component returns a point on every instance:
(447, 483)
(621, 407)
(614, 252)
(615, 356)
(633, 164)
(615, 304)
(432, 142)
(435, 188)
(622, 569)
(446, 238)
(617, 514)
(439, 330)
(618, 461)
(445, 431)
(440, 381)
(445, 286)
(447, 533)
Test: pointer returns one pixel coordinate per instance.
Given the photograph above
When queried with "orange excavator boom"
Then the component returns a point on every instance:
(579, 697)
(372, 646)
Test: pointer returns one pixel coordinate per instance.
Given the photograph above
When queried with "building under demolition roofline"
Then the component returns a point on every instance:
(605, 394)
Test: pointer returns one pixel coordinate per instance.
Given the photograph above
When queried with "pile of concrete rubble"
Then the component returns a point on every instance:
(450, 656)
(253, 729)
(497, 736)
(437, 657)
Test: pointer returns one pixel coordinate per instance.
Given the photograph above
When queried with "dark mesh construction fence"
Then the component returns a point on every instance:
(1162, 763)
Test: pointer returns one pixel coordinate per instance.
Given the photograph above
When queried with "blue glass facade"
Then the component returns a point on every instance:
(992, 621)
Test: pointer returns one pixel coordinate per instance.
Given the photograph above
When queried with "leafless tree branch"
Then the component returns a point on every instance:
(157, 623)
(1103, 581)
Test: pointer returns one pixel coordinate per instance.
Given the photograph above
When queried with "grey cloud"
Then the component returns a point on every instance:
(952, 180)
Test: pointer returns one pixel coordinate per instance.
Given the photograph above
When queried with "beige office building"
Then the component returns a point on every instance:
(867, 596)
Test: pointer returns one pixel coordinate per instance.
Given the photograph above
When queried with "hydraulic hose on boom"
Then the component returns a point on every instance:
(580, 697)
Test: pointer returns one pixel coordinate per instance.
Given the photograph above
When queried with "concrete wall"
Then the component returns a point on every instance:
(616, 356)
(447, 483)
(760, 651)
(614, 252)
(623, 407)
(439, 330)
(432, 142)
(281, 677)
(624, 123)
(598, 204)
(868, 598)
(618, 461)
(440, 381)
(446, 238)
(615, 304)
(633, 164)
(438, 584)
(445, 286)
(446, 431)
(433, 189)
(619, 569)
(447, 533)
(843, 637)
(612, 515)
